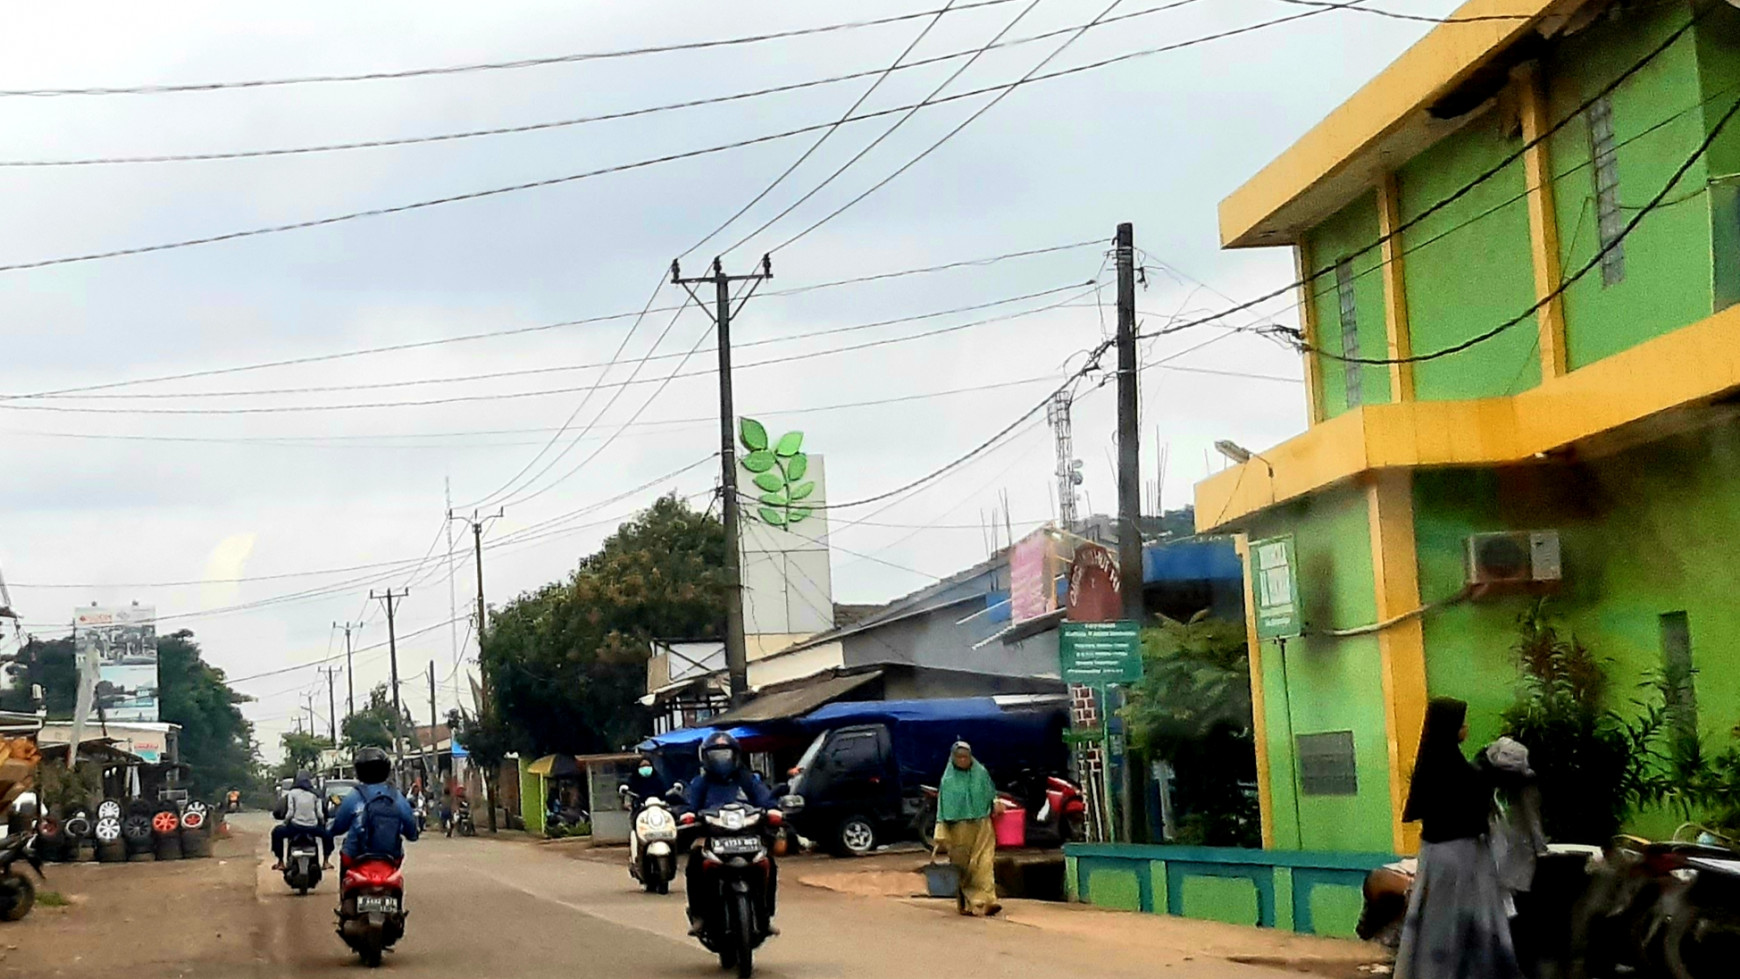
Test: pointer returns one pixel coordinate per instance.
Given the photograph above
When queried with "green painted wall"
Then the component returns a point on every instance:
(1113, 887)
(1229, 899)
(1668, 269)
(1719, 66)
(1335, 910)
(1466, 267)
(531, 799)
(1327, 684)
(1350, 234)
(1644, 532)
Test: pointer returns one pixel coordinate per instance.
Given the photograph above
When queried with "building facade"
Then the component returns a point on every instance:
(1531, 221)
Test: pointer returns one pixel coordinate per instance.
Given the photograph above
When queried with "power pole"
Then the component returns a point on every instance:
(1068, 466)
(331, 703)
(1129, 472)
(477, 524)
(393, 657)
(349, 674)
(736, 652)
(434, 755)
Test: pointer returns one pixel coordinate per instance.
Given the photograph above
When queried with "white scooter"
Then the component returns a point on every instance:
(652, 857)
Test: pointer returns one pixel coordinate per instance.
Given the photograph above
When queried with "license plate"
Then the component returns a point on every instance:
(371, 902)
(736, 844)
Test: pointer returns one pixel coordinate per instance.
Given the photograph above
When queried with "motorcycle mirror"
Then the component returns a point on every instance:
(622, 790)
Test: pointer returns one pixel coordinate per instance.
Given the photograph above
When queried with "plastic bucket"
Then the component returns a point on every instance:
(1011, 827)
(942, 879)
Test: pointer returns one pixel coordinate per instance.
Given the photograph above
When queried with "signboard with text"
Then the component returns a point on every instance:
(1275, 586)
(1095, 587)
(123, 644)
(1100, 653)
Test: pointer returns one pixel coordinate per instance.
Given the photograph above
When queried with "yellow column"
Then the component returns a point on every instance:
(1259, 718)
(1308, 322)
(1401, 647)
(1400, 344)
(1543, 221)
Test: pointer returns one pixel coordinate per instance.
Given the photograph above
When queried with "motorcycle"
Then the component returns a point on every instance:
(17, 893)
(737, 876)
(461, 820)
(651, 859)
(302, 863)
(1669, 907)
(371, 907)
(1064, 811)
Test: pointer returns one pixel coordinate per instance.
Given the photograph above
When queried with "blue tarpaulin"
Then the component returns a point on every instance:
(1008, 739)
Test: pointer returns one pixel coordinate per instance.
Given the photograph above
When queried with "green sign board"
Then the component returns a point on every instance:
(1099, 653)
(1275, 585)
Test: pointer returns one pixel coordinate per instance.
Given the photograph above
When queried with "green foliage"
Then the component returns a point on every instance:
(1192, 709)
(564, 665)
(51, 899)
(301, 752)
(372, 724)
(215, 739)
(1595, 765)
(66, 793)
(50, 664)
(779, 472)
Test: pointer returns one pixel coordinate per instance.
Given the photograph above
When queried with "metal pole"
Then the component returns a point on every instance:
(736, 648)
(331, 705)
(434, 755)
(393, 658)
(1129, 439)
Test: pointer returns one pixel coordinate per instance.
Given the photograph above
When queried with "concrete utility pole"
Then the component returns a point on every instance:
(736, 651)
(434, 742)
(331, 702)
(349, 674)
(477, 524)
(393, 657)
(1129, 439)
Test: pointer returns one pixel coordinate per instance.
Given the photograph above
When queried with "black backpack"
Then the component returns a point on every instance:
(380, 824)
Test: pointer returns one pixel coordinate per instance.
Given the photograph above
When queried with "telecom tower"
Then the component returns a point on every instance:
(1068, 466)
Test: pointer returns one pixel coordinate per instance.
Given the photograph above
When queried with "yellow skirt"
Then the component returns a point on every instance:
(972, 845)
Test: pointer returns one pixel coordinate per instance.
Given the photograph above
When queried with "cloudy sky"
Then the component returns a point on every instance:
(167, 492)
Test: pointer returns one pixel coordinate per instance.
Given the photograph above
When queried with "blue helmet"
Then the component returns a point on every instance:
(720, 753)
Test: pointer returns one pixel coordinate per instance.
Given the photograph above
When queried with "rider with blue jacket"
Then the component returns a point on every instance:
(375, 817)
(724, 779)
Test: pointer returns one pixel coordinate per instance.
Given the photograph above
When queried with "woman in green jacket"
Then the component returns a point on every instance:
(964, 803)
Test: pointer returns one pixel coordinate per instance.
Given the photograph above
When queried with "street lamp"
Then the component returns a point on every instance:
(1241, 455)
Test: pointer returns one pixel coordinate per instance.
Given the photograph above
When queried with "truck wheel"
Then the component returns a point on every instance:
(856, 836)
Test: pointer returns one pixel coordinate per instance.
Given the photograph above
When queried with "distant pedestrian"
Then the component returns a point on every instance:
(1456, 924)
(965, 800)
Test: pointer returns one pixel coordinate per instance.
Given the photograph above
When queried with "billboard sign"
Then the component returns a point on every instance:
(1275, 586)
(1032, 574)
(1095, 588)
(123, 644)
(1100, 653)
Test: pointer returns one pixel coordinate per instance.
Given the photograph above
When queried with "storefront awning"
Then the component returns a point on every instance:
(788, 704)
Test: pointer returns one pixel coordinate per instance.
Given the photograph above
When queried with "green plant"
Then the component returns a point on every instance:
(51, 899)
(779, 469)
(65, 793)
(1595, 765)
(1192, 710)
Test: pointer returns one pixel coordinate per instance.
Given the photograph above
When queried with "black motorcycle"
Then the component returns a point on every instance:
(737, 877)
(17, 892)
(302, 862)
(461, 820)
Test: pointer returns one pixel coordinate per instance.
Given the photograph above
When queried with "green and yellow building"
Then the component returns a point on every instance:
(1477, 194)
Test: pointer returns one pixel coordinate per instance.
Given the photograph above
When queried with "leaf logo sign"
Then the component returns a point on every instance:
(779, 469)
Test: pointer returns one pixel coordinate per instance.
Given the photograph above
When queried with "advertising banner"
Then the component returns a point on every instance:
(1095, 588)
(123, 644)
(1032, 574)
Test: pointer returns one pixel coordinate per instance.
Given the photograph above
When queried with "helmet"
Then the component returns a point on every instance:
(372, 765)
(720, 754)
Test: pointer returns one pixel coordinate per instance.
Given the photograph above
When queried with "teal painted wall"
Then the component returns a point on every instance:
(1350, 234)
(1328, 684)
(1668, 268)
(1466, 267)
(1643, 532)
(1229, 899)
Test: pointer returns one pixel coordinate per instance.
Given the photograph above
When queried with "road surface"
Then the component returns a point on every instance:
(492, 908)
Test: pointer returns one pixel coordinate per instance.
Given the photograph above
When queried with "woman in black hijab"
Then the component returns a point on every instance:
(1456, 924)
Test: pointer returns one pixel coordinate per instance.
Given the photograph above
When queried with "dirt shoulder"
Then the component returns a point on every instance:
(142, 920)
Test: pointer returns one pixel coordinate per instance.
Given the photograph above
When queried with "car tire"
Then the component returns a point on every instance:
(855, 836)
(136, 832)
(168, 847)
(109, 809)
(23, 896)
(114, 852)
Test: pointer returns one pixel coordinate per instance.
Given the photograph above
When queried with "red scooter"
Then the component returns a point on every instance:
(371, 907)
(1064, 811)
(1060, 813)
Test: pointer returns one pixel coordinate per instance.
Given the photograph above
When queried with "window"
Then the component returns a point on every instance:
(853, 752)
(1326, 764)
(1677, 672)
(1349, 330)
(1610, 222)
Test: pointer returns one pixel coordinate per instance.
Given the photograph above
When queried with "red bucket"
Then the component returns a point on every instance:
(1011, 827)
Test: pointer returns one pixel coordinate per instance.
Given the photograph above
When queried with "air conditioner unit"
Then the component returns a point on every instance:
(1513, 557)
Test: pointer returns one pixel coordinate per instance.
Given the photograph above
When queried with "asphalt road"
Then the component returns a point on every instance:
(494, 908)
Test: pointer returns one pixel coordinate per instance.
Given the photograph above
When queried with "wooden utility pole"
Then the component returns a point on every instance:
(331, 703)
(477, 524)
(349, 674)
(736, 651)
(434, 743)
(1129, 477)
(389, 597)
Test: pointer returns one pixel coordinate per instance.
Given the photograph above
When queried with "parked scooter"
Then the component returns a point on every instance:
(652, 857)
(371, 907)
(737, 874)
(302, 863)
(1056, 810)
(1668, 907)
(17, 892)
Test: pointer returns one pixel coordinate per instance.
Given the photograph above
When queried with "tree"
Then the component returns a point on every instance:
(52, 665)
(565, 664)
(1192, 709)
(373, 724)
(301, 752)
(217, 742)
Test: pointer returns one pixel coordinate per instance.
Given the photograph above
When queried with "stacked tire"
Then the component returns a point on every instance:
(136, 831)
(111, 845)
(50, 839)
(196, 830)
(166, 832)
(80, 844)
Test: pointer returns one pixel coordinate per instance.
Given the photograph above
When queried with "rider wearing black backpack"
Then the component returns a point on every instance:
(375, 817)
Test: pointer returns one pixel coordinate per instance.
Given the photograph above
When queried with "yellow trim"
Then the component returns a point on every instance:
(1259, 716)
(1543, 220)
(1402, 647)
(1399, 341)
(1679, 369)
(1338, 158)
(1302, 269)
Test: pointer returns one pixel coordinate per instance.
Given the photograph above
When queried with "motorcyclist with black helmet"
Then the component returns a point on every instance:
(724, 779)
(368, 815)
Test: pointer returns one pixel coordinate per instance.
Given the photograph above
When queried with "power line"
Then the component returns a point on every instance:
(667, 158)
(515, 331)
(160, 89)
(1417, 18)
